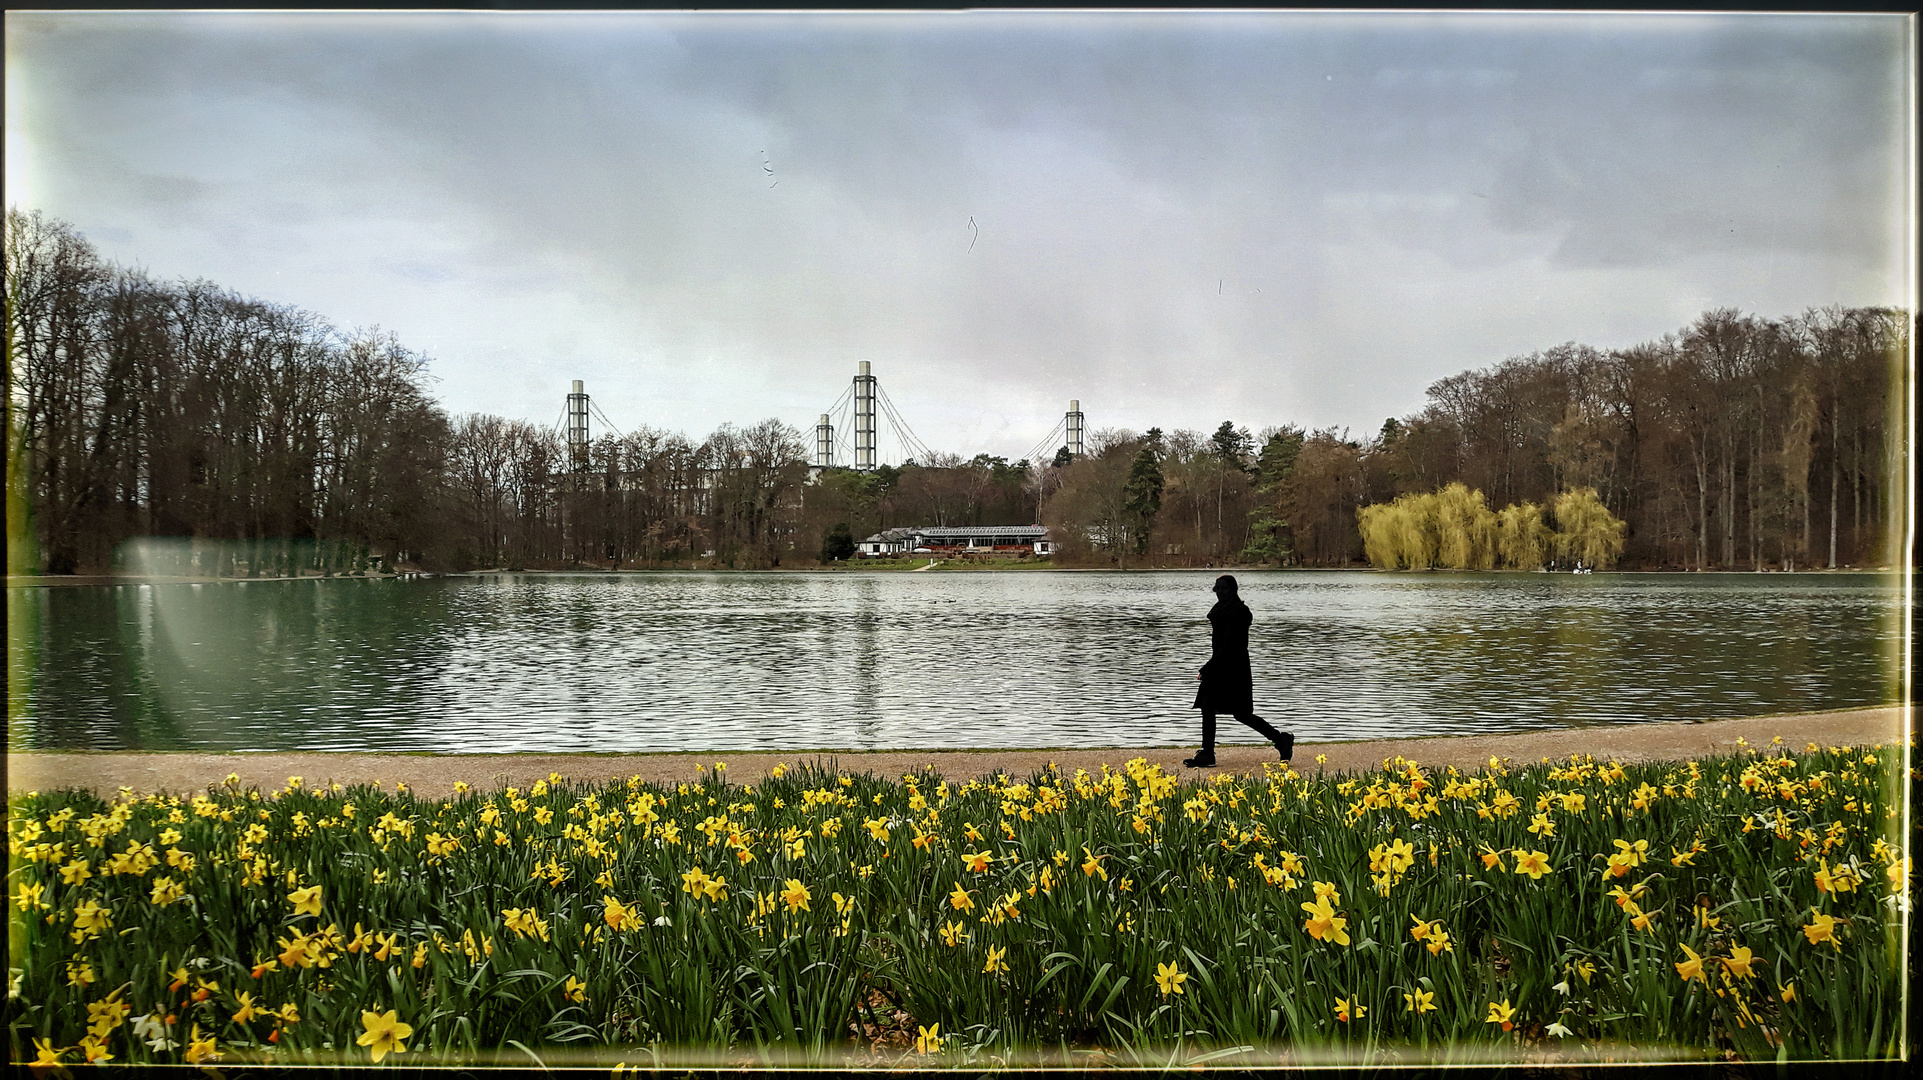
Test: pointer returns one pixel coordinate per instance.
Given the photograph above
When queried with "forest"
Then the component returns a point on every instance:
(143, 408)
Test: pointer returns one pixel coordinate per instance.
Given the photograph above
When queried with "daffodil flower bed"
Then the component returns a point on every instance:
(1749, 904)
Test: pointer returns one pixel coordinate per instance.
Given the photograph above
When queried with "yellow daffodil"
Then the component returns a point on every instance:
(960, 900)
(1691, 968)
(1170, 977)
(1740, 962)
(199, 1049)
(1420, 1001)
(1501, 1014)
(995, 960)
(1323, 924)
(383, 1034)
(795, 895)
(246, 1012)
(1343, 1009)
(618, 915)
(1533, 863)
(952, 934)
(1092, 865)
(574, 989)
(928, 1039)
(1821, 928)
(977, 861)
(306, 901)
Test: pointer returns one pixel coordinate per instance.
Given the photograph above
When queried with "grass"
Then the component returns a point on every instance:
(1748, 905)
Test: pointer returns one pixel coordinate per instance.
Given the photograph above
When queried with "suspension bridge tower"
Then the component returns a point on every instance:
(578, 428)
(864, 419)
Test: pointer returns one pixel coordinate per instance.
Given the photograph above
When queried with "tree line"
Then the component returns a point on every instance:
(1737, 442)
(141, 408)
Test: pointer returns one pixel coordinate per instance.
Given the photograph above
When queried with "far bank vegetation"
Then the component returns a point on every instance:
(141, 408)
(1454, 529)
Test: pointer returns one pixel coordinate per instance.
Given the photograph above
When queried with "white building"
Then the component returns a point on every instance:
(958, 540)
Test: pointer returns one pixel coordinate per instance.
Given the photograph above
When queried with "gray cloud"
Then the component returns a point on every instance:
(1178, 218)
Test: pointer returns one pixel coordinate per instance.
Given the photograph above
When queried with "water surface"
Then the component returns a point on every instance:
(790, 661)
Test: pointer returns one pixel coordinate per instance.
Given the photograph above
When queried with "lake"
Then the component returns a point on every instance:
(850, 660)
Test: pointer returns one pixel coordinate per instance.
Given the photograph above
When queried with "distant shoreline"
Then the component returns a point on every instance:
(24, 581)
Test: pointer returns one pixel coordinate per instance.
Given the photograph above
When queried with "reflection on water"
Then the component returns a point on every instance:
(694, 661)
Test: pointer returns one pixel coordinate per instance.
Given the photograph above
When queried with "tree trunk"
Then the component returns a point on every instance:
(1833, 484)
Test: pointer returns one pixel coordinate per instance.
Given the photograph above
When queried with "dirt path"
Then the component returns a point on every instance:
(435, 774)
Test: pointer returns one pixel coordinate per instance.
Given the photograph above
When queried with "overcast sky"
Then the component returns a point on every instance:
(1177, 218)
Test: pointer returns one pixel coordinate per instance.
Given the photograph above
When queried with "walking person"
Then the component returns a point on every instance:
(1227, 684)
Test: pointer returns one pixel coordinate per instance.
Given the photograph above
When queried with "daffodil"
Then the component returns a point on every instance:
(1533, 863)
(977, 861)
(1740, 962)
(795, 895)
(1323, 924)
(960, 900)
(246, 1011)
(383, 1034)
(574, 989)
(306, 901)
(27, 897)
(928, 1039)
(1420, 1001)
(1501, 1014)
(1092, 865)
(1170, 977)
(995, 960)
(1691, 968)
(1343, 1009)
(1821, 928)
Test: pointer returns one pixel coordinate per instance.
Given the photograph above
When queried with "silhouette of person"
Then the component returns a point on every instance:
(1227, 684)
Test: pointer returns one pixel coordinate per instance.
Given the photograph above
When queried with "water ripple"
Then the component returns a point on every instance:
(693, 661)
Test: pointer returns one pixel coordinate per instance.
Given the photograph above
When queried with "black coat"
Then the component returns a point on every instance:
(1227, 685)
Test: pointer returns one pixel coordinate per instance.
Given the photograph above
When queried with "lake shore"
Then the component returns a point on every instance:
(436, 774)
(30, 581)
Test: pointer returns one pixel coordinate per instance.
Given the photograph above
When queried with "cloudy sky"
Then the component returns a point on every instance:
(1177, 218)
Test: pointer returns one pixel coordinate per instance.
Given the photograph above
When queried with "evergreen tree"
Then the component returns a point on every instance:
(838, 544)
(1232, 445)
(1142, 495)
(1269, 539)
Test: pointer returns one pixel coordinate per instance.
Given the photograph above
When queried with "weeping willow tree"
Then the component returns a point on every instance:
(1453, 528)
(1587, 534)
(1465, 529)
(1523, 539)
(1400, 535)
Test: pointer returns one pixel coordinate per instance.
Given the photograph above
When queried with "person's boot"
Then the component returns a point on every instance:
(1286, 745)
(1203, 760)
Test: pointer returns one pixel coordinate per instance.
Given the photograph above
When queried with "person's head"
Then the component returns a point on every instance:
(1225, 586)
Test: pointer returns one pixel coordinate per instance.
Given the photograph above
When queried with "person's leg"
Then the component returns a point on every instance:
(1260, 725)
(1284, 742)
(1206, 757)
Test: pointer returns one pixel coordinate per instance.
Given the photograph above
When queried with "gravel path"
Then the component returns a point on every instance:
(435, 774)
